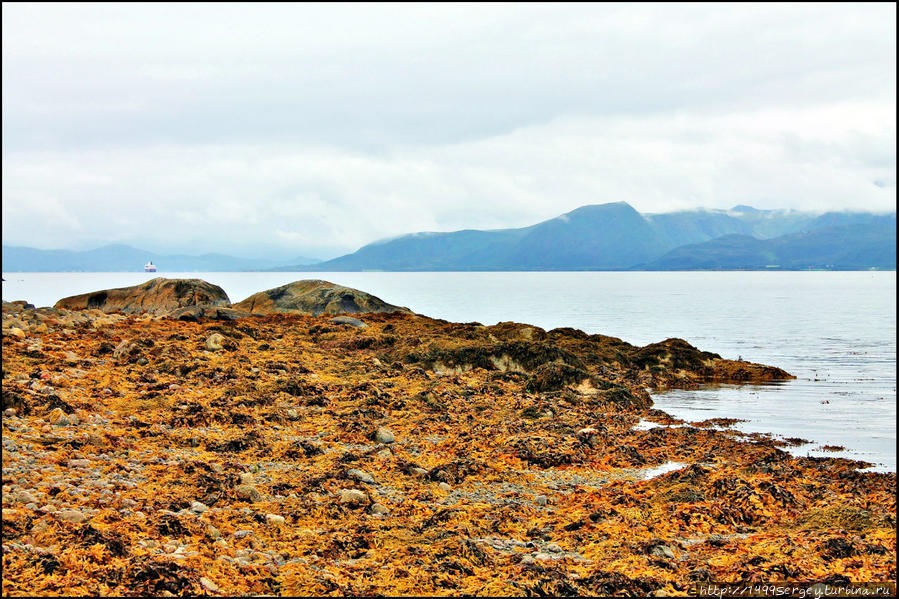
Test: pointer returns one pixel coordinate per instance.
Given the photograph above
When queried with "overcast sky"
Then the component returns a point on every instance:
(312, 130)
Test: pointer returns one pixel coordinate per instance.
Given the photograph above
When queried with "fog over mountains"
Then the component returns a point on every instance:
(597, 237)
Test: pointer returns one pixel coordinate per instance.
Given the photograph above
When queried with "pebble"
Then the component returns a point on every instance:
(418, 472)
(540, 499)
(80, 463)
(385, 454)
(246, 478)
(197, 507)
(242, 533)
(379, 510)
(444, 487)
(292, 414)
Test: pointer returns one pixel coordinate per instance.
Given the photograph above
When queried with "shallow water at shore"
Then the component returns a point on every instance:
(836, 331)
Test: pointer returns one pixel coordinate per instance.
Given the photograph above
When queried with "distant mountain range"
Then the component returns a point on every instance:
(124, 258)
(598, 237)
(617, 237)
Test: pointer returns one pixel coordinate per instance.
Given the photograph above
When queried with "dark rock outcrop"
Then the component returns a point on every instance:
(314, 297)
(195, 313)
(157, 296)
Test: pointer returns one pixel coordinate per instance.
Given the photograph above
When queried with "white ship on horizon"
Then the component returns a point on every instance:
(149, 267)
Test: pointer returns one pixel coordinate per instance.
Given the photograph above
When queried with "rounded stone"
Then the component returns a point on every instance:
(384, 435)
(352, 496)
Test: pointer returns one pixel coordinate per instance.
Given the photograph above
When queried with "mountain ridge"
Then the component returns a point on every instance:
(612, 236)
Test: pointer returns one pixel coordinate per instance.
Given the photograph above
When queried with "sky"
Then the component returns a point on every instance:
(279, 130)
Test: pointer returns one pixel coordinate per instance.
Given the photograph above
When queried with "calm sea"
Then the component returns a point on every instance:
(836, 331)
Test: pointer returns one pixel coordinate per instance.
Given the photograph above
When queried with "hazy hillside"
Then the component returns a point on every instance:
(616, 237)
(123, 258)
(598, 237)
(870, 243)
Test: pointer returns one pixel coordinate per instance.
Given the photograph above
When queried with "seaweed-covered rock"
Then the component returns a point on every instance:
(157, 296)
(314, 297)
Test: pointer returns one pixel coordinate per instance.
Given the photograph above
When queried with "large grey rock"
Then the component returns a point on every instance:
(314, 297)
(157, 296)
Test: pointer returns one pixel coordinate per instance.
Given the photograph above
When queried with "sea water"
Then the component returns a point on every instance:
(836, 331)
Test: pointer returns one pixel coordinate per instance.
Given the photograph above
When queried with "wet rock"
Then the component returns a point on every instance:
(349, 321)
(57, 417)
(663, 551)
(378, 509)
(209, 586)
(72, 515)
(157, 296)
(23, 496)
(125, 351)
(195, 313)
(352, 497)
(363, 477)
(214, 342)
(384, 435)
(198, 507)
(274, 519)
(314, 297)
(248, 492)
(292, 414)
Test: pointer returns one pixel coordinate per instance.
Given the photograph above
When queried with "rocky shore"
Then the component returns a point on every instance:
(168, 445)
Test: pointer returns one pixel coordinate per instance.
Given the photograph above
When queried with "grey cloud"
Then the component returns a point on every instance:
(294, 128)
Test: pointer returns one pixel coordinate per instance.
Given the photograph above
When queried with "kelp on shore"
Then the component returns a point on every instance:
(155, 456)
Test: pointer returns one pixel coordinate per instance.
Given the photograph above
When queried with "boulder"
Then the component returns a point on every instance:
(314, 297)
(157, 296)
(349, 321)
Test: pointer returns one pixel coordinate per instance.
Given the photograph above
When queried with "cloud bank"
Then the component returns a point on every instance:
(288, 129)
